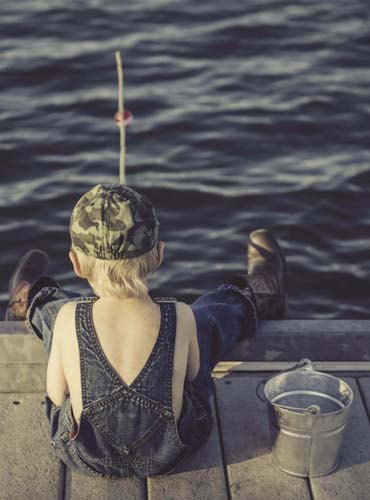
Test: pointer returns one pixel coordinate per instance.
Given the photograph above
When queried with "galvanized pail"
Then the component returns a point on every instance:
(307, 412)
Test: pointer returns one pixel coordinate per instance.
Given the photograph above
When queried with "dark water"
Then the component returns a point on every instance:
(247, 114)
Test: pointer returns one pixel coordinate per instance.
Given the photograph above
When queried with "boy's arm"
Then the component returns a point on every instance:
(56, 383)
(193, 361)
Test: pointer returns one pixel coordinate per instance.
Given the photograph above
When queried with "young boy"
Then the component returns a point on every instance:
(129, 376)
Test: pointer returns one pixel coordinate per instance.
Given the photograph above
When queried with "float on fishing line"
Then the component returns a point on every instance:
(127, 118)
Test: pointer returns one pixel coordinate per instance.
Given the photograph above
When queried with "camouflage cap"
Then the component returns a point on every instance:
(113, 222)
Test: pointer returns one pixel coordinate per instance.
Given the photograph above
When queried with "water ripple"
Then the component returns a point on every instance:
(246, 116)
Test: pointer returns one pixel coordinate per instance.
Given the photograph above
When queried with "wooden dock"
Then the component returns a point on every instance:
(234, 464)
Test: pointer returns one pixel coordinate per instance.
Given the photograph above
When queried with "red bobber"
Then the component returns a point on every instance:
(127, 116)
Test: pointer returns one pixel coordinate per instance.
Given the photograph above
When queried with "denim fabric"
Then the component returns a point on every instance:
(223, 316)
(131, 430)
(46, 297)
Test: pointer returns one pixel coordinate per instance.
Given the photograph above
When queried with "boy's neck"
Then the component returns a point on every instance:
(144, 299)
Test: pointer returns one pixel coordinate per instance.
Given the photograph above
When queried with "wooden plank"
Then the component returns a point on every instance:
(24, 377)
(29, 468)
(315, 327)
(264, 366)
(352, 478)
(290, 340)
(10, 327)
(200, 477)
(365, 391)
(274, 327)
(82, 487)
(21, 348)
(245, 435)
(283, 340)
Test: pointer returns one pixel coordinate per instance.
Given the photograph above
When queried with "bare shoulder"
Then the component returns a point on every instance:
(66, 312)
(185, 314)
(183, 308)
(64, 320)
(185, 320)
(187, 325)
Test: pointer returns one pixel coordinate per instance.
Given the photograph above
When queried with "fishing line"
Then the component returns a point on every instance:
(122, 118)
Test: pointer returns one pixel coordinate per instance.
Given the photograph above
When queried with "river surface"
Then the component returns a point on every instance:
(246, 115)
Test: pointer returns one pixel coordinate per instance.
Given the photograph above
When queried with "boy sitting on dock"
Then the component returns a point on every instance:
(128, 375)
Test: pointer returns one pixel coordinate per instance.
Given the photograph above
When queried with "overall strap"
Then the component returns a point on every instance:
(165, 299)
(97, 380)
(155, 379)
(168, 306)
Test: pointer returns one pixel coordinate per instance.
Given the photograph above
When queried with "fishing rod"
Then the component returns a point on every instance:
(123, 118)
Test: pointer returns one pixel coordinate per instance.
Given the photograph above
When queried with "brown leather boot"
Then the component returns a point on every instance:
(32, 265)
(267, 274)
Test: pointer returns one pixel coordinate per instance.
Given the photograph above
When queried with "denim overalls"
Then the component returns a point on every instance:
(131, 430)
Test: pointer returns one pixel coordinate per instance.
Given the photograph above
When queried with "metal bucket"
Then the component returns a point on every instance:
(307, 412)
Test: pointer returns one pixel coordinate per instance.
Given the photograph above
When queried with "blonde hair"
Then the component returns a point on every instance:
(122, 278)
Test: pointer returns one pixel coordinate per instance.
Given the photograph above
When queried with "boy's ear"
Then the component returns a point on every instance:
(160, 252)
(75, 263)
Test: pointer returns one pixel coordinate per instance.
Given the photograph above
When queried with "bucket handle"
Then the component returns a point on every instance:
(314, 410)
(303, 364)
(261, 395)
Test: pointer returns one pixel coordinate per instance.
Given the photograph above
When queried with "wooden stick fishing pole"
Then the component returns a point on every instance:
(121, 122)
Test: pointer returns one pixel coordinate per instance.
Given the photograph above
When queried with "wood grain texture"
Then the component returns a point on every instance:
(200, 477)
(82, 487)
(29, 468)
(246, 440)
(365, 392)
(352, 478)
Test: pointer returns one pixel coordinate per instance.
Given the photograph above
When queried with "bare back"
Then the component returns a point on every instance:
(127, 331)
